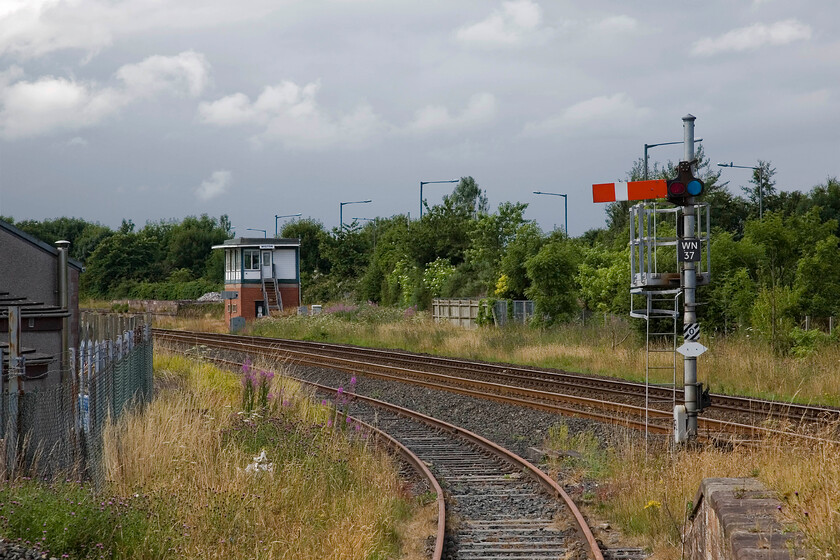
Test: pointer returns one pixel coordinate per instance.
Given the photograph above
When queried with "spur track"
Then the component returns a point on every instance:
(607, 400)
(492, 503)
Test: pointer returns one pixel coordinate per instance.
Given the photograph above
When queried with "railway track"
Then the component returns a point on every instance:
(608, 400)
(492, 504)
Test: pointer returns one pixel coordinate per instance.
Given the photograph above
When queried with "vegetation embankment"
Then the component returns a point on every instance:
(218, 469)
(648, 490)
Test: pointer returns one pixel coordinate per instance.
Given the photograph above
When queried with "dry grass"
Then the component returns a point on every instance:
(734, 365)
(203, 324)
(647, 490)
(327, 497)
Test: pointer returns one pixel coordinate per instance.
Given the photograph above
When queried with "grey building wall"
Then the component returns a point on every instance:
(29, 268)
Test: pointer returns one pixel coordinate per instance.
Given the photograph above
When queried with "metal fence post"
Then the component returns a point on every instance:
(14, 372)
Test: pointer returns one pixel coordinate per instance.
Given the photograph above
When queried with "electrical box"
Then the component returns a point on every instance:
(680, 424)
(236, 324)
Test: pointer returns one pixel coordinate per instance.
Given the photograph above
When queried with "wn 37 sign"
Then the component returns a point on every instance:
(688, 251)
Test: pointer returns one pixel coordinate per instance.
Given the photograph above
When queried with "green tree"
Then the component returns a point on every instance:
(552, 273)
(763, 189)
(122, 257)
(313, 237)
(489, 238)
(468, 197)
(817, 282)
(603, 280)
(525, 244)
(191, 241)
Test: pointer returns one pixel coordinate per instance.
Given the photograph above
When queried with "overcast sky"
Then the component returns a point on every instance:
(150, 109)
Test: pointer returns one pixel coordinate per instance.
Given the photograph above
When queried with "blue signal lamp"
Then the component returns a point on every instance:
(694, 187)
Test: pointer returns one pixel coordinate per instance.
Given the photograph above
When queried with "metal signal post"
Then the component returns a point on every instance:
(689, 282)
(662, 289)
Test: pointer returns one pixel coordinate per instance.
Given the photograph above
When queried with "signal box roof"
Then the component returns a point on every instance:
(258, 242)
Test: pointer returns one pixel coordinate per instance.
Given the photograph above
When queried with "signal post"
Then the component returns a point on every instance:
(681, 191)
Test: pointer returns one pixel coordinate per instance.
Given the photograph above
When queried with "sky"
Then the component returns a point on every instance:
(152, 110)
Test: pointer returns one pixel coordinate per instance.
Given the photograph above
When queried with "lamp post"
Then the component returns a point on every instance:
(760, 186)
(565, 206)
(276, 217)
(429, 183)
(647, 146)
(262, 230)
(341, 210)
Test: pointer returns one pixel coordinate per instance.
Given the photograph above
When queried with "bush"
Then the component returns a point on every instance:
(805, 343)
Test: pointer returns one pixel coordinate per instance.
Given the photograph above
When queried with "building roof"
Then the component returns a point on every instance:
(38, 243)
(258, 242)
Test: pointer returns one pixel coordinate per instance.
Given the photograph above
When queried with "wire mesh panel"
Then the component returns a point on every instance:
(45, 434)
(58, 429)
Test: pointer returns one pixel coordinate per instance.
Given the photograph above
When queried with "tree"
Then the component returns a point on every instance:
(191, 242)
(763, 191)
(468, 197)
(526, 243)
(119, 258)
(82, 235)
(489, 238)
(552, 273)
(826, 197)
(312, 236)
(817, 279)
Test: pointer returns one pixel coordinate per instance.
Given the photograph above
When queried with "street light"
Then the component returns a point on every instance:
(276, 217)
(660, 144)
(341, 210)
(429, 183)
(760, 186)
(262, 230)
(565, 206)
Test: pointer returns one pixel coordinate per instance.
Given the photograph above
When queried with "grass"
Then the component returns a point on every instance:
(732, 365)
(195, 476)
(648, 490)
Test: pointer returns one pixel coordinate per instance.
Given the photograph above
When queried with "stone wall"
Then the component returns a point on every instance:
(738, 519)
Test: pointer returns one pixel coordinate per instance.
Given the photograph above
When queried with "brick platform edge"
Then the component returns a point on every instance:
(738, 519)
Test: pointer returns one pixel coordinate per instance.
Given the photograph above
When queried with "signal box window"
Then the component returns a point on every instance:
(252, 259)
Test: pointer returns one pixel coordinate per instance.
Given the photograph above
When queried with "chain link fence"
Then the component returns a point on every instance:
(58, 429)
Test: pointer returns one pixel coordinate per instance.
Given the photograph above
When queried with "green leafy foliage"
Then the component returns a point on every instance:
(552, 272)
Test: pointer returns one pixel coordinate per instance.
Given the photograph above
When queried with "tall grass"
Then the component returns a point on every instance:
(324, 496)
(193, 475)
(647, 489)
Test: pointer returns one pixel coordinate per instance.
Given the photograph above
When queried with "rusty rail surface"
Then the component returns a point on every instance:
(605, 410)
(551, 486)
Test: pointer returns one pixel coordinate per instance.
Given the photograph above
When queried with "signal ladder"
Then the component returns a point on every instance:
(661, 313)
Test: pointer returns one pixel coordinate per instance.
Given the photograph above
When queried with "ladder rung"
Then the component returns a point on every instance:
(662, 367)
